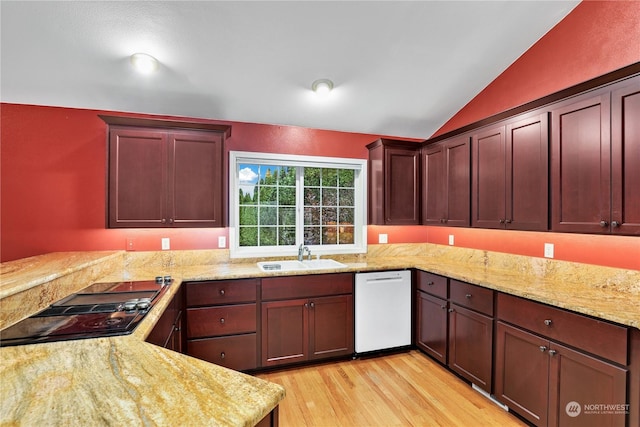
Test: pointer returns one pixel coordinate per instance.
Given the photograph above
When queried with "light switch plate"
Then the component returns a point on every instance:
(548, 250)
(166, 244)
(382, 238)
(222, 242)
(450, 239)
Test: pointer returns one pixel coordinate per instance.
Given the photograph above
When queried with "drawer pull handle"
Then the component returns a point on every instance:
(552, 352)
(430, 283)
(222, 355)
(548, 322)
(468, 296)
(222, 320)
(543, 348)
(222, 292)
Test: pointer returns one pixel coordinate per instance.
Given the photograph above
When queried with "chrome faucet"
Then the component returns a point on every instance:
(301, 250)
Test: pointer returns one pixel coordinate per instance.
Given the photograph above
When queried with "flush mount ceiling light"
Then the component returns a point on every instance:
(144, 63)
(322, 87)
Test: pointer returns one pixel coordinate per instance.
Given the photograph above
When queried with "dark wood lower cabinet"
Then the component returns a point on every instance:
(168, 331)
(431, 333)
(306, 329)
(471, 345)
(552, 385)
(235, 352)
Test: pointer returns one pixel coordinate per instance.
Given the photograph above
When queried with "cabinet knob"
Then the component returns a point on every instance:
(163, 220)
(312, 304)
(468, 296)
(430, 283)
(548, 322)
(222, 292)
(543, 348)
(552, 352)
(451, 310)
(507, 221)
(444, 307)
(222, 355)
(615, 224)
(222, 320)
(502, 221)
(177, 329)
(604, 223)
(306, 304)
(170, 220)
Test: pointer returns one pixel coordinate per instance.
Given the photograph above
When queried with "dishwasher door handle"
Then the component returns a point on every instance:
(384, 279)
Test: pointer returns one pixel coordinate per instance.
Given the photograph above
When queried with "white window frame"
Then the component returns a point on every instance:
(360, 203)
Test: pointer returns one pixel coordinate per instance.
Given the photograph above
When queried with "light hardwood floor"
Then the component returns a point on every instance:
(401, 389)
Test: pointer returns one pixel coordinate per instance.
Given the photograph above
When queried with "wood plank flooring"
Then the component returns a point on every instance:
(401, 389)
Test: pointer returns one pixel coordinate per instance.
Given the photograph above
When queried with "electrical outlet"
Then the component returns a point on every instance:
(166, 244)
(450, 239)
(548, 250)
(131, 244)
(222, 242)
(382, 238)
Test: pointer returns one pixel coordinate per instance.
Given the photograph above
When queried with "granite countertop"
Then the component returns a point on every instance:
(124, 379)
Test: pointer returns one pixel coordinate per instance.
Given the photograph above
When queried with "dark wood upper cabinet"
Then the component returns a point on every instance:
(510, 175)
(446, 169)
(165, 177)
(581, 165)
(394, 182)
(625, 159)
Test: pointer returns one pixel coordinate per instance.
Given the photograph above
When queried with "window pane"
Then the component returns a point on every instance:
(287, 236)
(268, 216)
(346, 216)
(248, 236)
(311, 216)
(329, 216)
(312, 235)
(287, 216)
(345, 235)
(345, 178)
(329, 177)
(346, 197)
(287, 196)
(329, 197)
(311, 196)
(268, 236)
(329, 235)
(312, 176)
(248, 215)
(287, 176)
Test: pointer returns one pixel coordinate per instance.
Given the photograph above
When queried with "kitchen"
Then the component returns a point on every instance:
(53, 188)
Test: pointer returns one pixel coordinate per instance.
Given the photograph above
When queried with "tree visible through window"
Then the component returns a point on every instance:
(281, 204)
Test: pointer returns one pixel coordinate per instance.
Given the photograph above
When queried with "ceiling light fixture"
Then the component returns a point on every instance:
(322, 87)
(144, 63)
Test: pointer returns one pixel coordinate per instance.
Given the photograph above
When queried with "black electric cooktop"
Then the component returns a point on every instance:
(99, 310)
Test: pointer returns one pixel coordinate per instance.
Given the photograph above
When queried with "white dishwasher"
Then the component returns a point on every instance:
(382, 310)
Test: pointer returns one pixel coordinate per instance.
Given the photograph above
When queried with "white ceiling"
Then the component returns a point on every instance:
(400, 68)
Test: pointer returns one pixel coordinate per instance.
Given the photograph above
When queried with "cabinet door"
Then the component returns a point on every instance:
(625, 152)
(402, 186)
(527, 155)
(522, 373)
(285, 332)
(580, 164)
(331, 326)
(138, 181)
(434, 209)
(196, 184)
(458, 182)
(488, 194)
(578, 382)
(431, 331)
(471, 345)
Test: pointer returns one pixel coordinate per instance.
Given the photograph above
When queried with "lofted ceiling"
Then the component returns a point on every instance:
(400, 68)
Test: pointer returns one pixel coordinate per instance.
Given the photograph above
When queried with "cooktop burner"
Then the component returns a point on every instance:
(99, 310)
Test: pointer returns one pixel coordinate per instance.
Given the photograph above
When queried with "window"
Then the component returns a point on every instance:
(278, 202)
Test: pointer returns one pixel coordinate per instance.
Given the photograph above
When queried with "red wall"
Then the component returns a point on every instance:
(595, 38)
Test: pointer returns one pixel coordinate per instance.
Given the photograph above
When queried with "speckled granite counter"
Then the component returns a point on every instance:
(124, 379)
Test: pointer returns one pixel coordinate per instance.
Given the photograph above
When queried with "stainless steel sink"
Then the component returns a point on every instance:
(295, 265)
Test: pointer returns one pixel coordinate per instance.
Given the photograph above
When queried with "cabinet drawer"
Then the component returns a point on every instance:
(595, 336)
(274, 288)
(432, 284)
(222, 320)
(235, 352)
(471, 296)
(221, 292)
